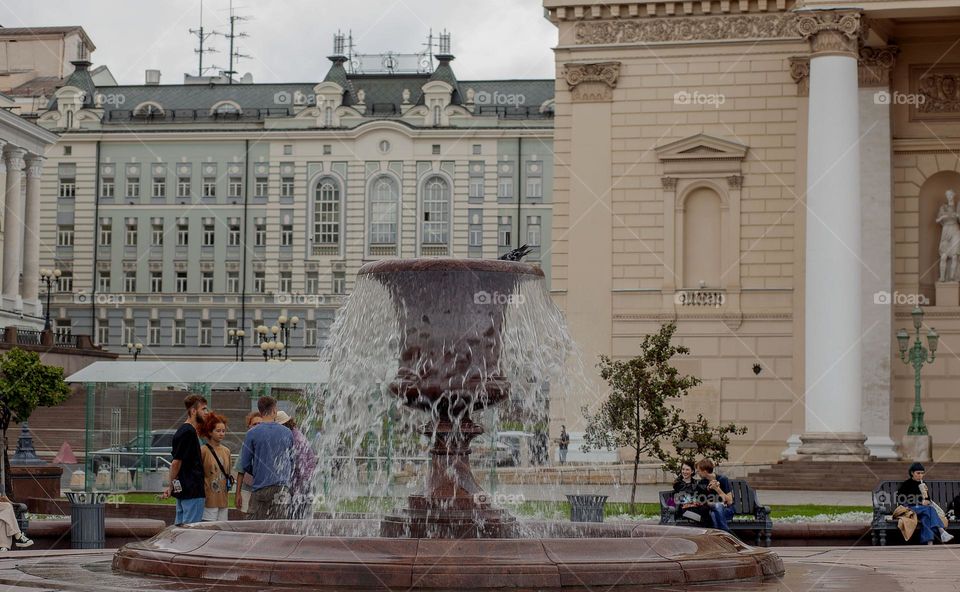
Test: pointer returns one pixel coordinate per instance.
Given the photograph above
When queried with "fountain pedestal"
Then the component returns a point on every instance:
(453, 504)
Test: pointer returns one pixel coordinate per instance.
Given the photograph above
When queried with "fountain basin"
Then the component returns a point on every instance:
(343, 554)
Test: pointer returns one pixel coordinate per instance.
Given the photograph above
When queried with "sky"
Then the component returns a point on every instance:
(290, 39)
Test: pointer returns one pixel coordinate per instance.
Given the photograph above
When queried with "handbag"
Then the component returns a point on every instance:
(230, 480)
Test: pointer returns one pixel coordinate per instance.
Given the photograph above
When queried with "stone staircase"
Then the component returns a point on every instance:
(843, 476)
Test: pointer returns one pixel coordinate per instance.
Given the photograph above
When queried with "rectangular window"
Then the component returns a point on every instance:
(65, 284)
(260, 235)
(206, 284)
(153, 333)
(209, 186)
(183, 235)
(159, 187)
(327, 149)
(287, 149)
(534, 187)
(339, 282)
(233, 239)
(65, 235)
(286, 282)
(156, 235)
(183, 187)
(106, 234)
(68, 188)
(286, 187)
(209, 234)
(312, 283)
(505, 187)
(476, 187)
(477, 149)
(436, 147)
(310, 334)
(179, 333)
(103, 282)
(156, 282)
(103, 332)
(130, 281)
(181, 282)
(533, 231)
(259, 282)
(261, 187)
(233, 282)
(235, 187)
(133, 186)
(129, 332)
(504, 231)
(131, 237)
(476, 236)
(206, 332)
(107, 187)
(286, 235)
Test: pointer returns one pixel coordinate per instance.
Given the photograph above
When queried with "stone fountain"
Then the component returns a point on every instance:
(457, 327)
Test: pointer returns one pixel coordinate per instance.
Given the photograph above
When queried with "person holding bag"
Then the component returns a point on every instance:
(913, 495)
(217, 480)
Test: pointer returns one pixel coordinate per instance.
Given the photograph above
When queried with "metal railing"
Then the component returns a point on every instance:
(28, 337)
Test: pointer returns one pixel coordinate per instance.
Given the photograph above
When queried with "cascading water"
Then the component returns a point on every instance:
(423, 347)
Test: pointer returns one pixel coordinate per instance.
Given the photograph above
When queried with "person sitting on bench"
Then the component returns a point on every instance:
(719, 492)
(10, 533)
(689, 497)
(913, 494)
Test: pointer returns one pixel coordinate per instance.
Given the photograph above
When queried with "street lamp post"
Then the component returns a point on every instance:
(236, 340)
(135, 349)
(274, 341)
(917, 356)
(49, 276)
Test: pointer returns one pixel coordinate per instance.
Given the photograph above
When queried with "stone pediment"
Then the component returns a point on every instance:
(700, 154)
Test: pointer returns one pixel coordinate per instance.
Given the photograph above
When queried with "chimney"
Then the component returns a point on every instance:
(152, 77)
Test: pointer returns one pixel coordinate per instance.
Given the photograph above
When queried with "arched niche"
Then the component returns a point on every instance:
(702, 238)
(932, 196)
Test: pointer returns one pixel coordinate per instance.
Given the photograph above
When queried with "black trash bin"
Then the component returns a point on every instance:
(586, 508)
(86, 519)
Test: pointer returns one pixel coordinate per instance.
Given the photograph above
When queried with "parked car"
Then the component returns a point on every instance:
(127, 456)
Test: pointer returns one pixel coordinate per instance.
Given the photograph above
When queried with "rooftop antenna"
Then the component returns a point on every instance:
(202, 36)
(233, 35)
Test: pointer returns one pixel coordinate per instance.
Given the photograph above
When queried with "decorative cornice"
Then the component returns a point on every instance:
(725, 316)
(591, 82)
(593, 10)
(800, 72)
(684, 29)
(832, 32)
(875, 65)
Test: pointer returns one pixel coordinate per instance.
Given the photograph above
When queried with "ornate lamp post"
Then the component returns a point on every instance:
(917, 356)
(135, 349)
(274, 340)
(49, 276)
(236, 337)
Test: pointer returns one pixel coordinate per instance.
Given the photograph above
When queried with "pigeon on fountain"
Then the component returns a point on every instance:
(517, 254)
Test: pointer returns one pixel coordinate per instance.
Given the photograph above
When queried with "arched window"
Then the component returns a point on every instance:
(326, 213)
(226, 109)
(436, 212)
(148, 110)
(328, 116)
(702, 240)
(384, 210)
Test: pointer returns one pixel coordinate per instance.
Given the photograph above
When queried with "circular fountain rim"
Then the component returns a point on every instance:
(450, 264)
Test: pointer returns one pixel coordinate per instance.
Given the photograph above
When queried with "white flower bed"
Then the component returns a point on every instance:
(860, 517)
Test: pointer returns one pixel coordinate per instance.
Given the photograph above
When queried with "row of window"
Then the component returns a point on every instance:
(208, 237)
(305, 334)
(311, 283)
(184, 187)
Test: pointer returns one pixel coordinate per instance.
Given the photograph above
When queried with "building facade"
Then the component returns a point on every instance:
(177, 213)
(773, 176)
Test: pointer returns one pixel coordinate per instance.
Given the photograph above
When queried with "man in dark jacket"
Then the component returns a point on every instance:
(913, 494)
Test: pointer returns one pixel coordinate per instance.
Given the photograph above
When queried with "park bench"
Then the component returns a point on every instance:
(884, 502)
(748, 514)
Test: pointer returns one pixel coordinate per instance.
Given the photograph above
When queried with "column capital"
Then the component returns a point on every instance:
(876, 63)
(34, 165)
(13, 157)
(833, 32)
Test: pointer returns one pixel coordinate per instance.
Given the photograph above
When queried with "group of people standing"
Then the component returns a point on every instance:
(272, 474)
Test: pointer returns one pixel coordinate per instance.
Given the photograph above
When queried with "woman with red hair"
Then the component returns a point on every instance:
(217, 480)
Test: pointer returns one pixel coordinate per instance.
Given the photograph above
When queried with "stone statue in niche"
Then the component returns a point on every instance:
(949, 219)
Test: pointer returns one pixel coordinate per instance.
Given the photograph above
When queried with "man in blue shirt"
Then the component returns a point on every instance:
(720, 493)
(268, 454)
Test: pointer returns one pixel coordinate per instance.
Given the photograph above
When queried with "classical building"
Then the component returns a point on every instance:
(180, 213)
(769, 175)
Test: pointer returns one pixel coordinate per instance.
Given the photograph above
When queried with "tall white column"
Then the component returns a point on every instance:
(13, 227)
(31, 237)
(832, 344)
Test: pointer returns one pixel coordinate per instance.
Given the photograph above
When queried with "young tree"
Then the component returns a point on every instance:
(25, 384)
(640, 414)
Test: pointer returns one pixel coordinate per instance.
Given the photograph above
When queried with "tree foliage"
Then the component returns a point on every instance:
(640, 412)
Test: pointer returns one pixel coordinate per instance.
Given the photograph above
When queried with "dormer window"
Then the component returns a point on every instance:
(226, 109)
(148, 110)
